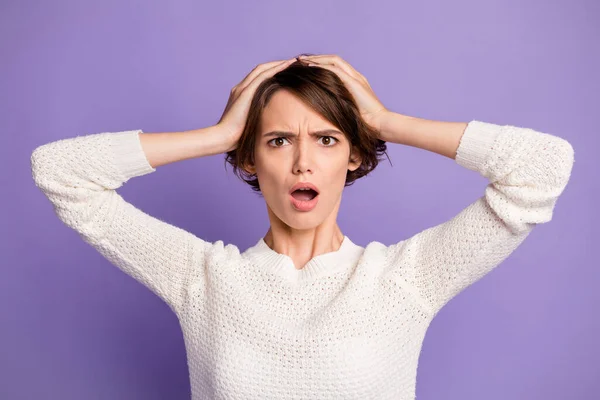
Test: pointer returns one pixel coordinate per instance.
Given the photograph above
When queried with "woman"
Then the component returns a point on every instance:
(305, 313)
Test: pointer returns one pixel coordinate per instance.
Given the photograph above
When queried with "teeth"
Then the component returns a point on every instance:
(305, 189)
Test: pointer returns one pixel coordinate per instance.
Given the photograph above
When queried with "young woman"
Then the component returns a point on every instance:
(305, 313)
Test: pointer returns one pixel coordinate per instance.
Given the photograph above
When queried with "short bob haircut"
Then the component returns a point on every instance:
(323, 91)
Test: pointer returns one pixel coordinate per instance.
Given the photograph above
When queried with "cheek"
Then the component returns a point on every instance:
(271, 177)
(269, 168)
(274, 172)
(338, 165)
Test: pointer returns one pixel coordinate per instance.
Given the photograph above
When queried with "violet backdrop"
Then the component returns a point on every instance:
(75, 327)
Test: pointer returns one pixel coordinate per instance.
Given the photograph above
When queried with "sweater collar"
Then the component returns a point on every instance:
(323, 264)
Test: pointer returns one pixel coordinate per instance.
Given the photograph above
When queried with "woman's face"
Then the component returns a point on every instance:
(281, 162)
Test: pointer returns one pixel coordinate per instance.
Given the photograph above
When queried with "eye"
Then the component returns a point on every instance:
(329, 137)
(320, 137)
(277, 138)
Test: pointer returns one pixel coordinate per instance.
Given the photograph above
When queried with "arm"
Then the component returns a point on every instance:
(440, 137)
(527, 171)
(80, 176)
(166, 148)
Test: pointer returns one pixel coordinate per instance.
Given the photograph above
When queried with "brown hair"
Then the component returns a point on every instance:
(324, 92)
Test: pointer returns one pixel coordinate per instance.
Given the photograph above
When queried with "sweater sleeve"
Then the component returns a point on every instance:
(527, 172)
(80, 176)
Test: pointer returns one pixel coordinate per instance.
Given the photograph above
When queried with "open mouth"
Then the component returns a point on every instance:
(304, 194)
(304, 200)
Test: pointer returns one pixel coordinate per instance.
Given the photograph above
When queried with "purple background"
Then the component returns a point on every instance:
(75, 327)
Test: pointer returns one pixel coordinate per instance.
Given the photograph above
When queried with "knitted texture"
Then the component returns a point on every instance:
(350, 324)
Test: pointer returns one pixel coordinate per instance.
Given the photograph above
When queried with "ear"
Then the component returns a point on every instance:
(250, 168)
(354, 160)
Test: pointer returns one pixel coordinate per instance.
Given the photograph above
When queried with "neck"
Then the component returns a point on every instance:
(303, 245)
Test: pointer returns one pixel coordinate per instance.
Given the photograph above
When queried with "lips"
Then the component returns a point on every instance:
(304, 202)
(302, 185)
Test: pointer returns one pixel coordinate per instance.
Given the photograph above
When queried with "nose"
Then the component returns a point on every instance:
(302, 157)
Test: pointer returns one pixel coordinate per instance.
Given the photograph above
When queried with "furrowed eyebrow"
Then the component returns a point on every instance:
(324, 132)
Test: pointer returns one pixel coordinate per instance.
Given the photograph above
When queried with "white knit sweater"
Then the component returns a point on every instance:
(350, 324)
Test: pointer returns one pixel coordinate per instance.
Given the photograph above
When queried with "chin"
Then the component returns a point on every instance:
(295, 219)
(300, 220)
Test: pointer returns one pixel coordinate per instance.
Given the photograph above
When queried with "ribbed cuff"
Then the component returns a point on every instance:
(476, 144)
(129, 155)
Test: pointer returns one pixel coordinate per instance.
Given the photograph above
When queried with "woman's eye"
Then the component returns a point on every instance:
(329, 141)
(276, 141)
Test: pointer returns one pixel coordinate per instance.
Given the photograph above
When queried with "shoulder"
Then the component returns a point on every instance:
(383, 252)
(392, 261)
(379, 255)
(217, 252)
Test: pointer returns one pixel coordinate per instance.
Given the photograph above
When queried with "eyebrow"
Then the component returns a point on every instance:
(332, 132)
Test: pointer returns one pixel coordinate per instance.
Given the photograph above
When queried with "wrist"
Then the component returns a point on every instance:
(393, 126)
(212, 140)
(229, 137)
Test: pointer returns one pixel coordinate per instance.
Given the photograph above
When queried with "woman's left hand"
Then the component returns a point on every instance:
(370, 108)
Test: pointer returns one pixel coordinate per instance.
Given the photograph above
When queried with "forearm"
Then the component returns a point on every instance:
(436, 136)
(168, 147)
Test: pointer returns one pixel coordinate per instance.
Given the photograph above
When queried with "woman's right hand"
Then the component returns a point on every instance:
(236, 111)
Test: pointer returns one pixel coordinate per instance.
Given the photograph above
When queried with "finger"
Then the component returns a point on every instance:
(344, 76)
(338, 61)
(341, 63)
(268, 73)
(257, 70)
(249, 78)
